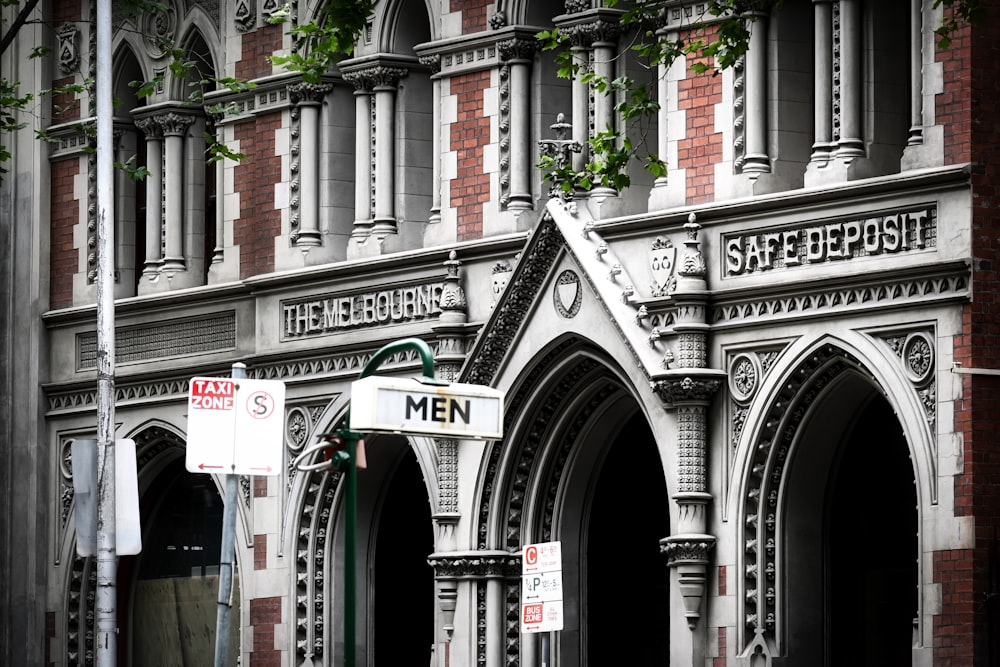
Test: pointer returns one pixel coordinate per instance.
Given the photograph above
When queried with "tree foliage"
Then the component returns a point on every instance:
(612, 149)
(320, 43)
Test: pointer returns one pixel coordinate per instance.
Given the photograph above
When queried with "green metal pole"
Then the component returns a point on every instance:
(350, 512)
(351, 485)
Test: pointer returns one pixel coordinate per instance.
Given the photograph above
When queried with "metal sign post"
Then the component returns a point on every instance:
(234, 428)
(542, 593)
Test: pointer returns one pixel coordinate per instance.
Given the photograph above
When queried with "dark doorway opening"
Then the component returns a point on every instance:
(872, 546)
(403, 582)
(628, 583)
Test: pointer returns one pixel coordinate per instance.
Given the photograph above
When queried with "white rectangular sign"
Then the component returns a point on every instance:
(128, 530)
(406, 405)
(541, 587)
(235, 426)
(542, 616)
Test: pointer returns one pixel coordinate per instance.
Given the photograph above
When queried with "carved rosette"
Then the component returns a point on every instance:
(915, 351)
(159, 28)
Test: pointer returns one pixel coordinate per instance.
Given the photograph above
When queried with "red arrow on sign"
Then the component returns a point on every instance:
(268, 469)
(202, 466)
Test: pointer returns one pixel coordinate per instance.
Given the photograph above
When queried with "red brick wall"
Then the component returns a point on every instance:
(260, 552)
(701, 147)
(265, 613)
(65, 107)
(254, 179)
(474, 14)
(63, 257)
(471, 188)
(969, 109)
(256, 47)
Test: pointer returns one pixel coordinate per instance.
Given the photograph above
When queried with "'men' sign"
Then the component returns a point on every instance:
(407, 405)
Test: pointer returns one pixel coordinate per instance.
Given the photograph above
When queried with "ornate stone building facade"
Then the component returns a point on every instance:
(754, 399)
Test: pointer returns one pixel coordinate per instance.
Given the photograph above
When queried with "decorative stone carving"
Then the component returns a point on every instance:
(245, 15)
(158, 29)
(567, 294)
(501, 274)
(69, 52)
(561, 148)
(662, 259)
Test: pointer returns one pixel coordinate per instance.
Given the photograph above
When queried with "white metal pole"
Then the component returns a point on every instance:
(106, 618)
(227, 555)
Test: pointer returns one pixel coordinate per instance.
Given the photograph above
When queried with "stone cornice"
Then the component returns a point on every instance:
(476, 52)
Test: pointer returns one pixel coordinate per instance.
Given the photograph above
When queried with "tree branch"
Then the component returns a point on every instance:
(22, 17)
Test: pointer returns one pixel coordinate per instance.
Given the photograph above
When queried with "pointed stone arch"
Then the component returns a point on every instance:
(829, 382)
(311, 528)
(157, 444)
(559, 425)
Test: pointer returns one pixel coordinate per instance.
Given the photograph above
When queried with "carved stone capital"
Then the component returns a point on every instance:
(303, 92)
(475, 565)
(173, 123)
(692, 549)
(378, 76)
(698, 386)
(149, 127)
(517, 48)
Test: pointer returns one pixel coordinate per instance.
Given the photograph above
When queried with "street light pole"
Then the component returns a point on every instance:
(346, 460)
(106, 598)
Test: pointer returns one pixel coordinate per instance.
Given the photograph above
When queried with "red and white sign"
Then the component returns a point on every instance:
(541, 587)
(542, 557)
(542, 616)
(235, 426)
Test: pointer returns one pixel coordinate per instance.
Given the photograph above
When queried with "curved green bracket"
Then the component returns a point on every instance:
(426, 356)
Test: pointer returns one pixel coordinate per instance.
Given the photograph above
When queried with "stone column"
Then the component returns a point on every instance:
(385, 80)
(519, 53)
(175, 127)
(755, 68)
(433, 62)
(916, 135)
(309, 99)
(850, 141)
(688, 389)
(193, 215)
(822, 81)
(470, 570)
(363, 157)
(154, 197)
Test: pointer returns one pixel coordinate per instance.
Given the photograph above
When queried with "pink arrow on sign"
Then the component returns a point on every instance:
(267, 469)
(202, 466)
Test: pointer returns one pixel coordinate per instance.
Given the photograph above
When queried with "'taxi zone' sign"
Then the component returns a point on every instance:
(407, 405)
